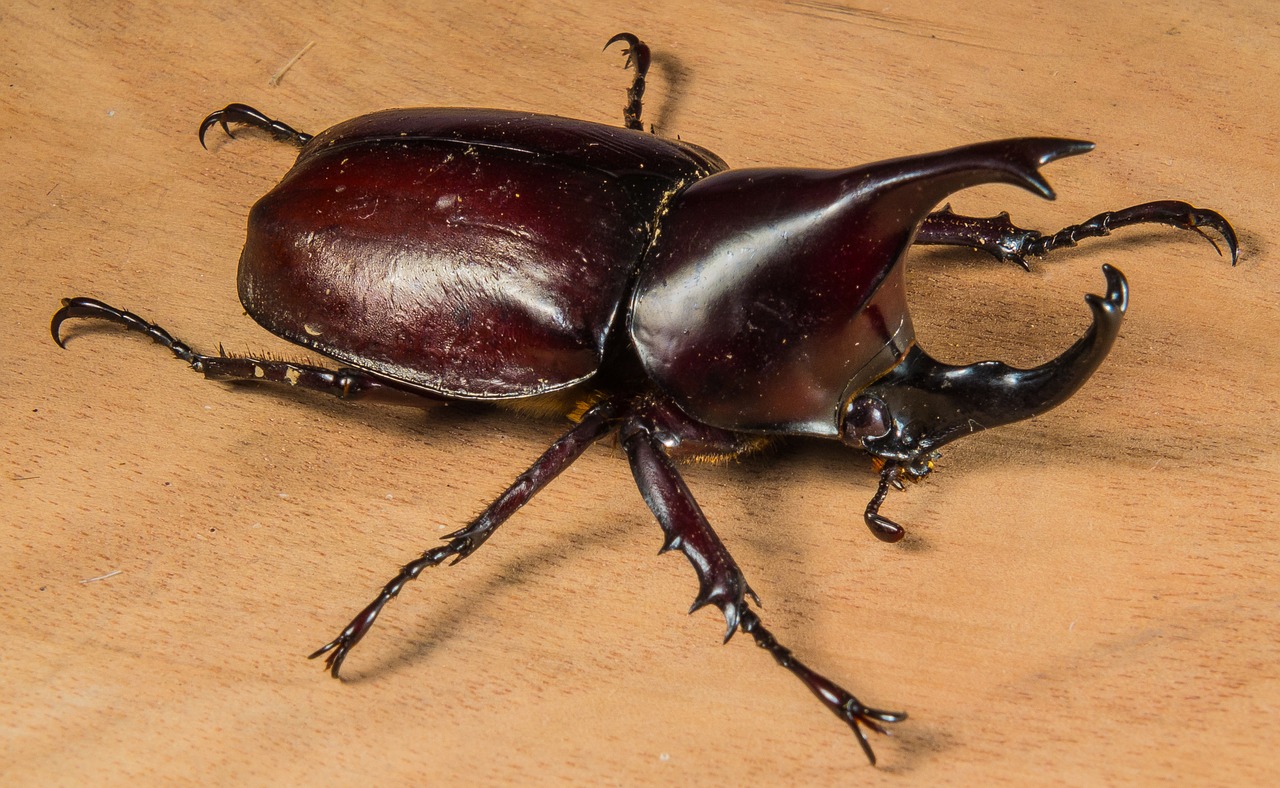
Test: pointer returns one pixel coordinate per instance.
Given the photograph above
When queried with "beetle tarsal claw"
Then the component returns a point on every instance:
(336, 650)
(637, 57)
(244, 114)
(92, 308)
(1198, 219)
(857, 715)
(632, 41)
(840, 701)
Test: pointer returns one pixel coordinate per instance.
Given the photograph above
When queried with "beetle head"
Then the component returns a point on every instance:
(921, 404)
(868, 422)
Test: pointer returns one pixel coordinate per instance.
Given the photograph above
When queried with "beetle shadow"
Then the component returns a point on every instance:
(828, 463)
(409, 412)
(440, 621)
(675, 76)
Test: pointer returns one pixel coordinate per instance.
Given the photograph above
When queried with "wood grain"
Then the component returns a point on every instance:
(1087, 598)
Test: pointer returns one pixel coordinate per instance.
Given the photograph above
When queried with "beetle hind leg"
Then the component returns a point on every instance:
(1006, 241)
(243, 113)
(595, 424)
(342, 383)
(637, 53)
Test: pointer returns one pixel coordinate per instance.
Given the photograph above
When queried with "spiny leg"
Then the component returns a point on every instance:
(839, 700)
(720, 580)
(597, 423)
(1006, 241)
(341, 383)
(637, 53)
(242, 113)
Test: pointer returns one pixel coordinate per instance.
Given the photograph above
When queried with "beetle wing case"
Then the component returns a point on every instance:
(769, 293)
(471, 253)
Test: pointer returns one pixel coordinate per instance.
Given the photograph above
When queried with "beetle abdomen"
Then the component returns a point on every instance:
(471, 253)
(467, 271)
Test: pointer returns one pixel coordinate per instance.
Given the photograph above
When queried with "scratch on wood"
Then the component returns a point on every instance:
(100, 577)
(279, 75)
(903, 25)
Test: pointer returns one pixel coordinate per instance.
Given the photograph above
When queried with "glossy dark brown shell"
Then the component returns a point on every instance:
(769, 297)
(471, 253)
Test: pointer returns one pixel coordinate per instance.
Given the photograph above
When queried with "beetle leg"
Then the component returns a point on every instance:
(342, 383)
(595, 424)
(637, 53)
(839, 700)
(720, 581)
(1001, 238)
(242, 113)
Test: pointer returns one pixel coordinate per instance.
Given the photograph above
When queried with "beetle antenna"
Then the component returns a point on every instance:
(885, 530)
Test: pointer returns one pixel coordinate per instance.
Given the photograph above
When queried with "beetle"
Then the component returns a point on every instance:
(643, 288)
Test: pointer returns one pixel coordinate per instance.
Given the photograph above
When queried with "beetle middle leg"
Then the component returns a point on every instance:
(1006, 241)
(637, 53)
(343, 383)
(595, 424)
(243, 113)
(646, 438)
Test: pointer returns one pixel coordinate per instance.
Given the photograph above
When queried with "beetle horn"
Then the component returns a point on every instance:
(931, 403)
(924, 181)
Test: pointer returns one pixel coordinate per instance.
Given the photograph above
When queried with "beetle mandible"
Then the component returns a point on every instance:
(649, 292)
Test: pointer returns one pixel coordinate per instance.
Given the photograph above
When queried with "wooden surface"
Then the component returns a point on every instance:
(1090, 598)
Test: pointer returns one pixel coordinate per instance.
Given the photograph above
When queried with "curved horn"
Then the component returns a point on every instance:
(931, 403)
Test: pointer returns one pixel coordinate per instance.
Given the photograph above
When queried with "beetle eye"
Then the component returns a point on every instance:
(865, 417)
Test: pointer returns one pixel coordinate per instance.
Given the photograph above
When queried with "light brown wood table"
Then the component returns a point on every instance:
(1090, 597)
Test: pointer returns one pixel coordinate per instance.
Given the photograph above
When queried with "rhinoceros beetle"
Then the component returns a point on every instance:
(644, 289)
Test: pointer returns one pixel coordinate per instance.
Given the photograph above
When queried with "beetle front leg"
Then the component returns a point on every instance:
(720, 580)
(595, 424)
(1006, 241)
(243, 113)
(837, 699)
(341, 383)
